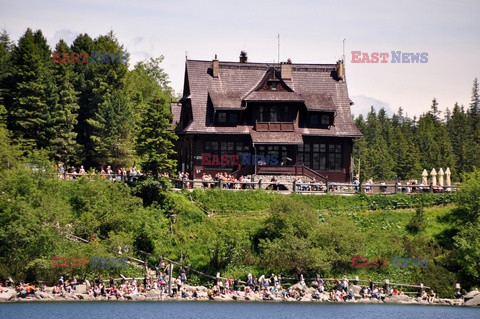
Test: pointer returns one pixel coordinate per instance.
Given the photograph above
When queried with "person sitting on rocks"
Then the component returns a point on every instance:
(266, 294)
(424, 295)
(431, 297)
(56, 290)
(185, 294)
(246, 290)
(364, 292)
(195, 294)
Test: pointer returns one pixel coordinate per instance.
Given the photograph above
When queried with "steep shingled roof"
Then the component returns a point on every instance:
(314, 85)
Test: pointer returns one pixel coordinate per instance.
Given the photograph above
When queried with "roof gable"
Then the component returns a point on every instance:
(314, 85)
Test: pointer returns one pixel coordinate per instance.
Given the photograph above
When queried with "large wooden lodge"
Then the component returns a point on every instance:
(298, 112)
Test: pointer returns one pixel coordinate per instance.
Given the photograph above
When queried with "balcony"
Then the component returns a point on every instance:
(274, 127)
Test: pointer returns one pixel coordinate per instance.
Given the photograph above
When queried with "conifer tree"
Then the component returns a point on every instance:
(457, 127)
(99, 80)
(29, 83)
(64, 110)
(112, 132)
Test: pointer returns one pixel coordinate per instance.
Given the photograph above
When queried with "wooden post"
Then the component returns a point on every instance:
(170, 271)
(260, 183)
(294, 186)
(431, 187)
(328, 187)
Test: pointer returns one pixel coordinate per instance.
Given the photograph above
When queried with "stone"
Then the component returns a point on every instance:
(153, 294)
(44, 295)
(85, 297)
(475, 301)
(471, 294)
(7, 295)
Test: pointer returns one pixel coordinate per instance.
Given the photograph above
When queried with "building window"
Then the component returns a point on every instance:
(233, 118)
(225, 148)
(323, 157)
(325, 119)
(222, 117)
(275, 113)
(313, 119)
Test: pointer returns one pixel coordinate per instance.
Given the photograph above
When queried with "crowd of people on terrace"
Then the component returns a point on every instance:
(121, 174)
(227, 181)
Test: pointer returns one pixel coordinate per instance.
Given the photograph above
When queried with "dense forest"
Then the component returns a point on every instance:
(401, 147)
(82, 112)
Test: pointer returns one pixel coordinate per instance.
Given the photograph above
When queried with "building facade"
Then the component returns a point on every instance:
(298, 114)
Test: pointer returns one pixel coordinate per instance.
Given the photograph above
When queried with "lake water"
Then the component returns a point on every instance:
(243, 310)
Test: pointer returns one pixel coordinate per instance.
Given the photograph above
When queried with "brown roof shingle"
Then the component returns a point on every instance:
(313, 84)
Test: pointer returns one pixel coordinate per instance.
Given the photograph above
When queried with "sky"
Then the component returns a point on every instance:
(310, 32)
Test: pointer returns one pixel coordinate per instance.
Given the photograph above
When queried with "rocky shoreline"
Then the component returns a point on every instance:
(10, 295)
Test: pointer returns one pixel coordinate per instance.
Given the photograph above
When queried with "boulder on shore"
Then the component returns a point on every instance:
(471, 294)
(85, 297)
(475, 301)
(7, 295)
(44, 295)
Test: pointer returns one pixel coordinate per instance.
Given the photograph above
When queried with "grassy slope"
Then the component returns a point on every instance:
(384, 229)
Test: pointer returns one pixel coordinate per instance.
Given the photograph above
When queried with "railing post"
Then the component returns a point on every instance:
(294, 186)
(328, 187)
(396, 187)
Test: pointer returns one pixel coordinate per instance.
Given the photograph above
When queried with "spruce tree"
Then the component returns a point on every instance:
(155, 142)
(6, 47)
(406, 156)
(28, 85)
(99, 82)
(457, 127)
(64, 110)
(87, 101)
(112, 132)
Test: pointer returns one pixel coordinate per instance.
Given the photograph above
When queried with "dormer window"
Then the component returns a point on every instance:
(320, 119)
(272, 85)
(222, 117)
(227, 118)
(325, 120)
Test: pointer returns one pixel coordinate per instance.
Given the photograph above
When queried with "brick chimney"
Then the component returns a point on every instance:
(286, 70)
(215, 67)
(243, 57)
